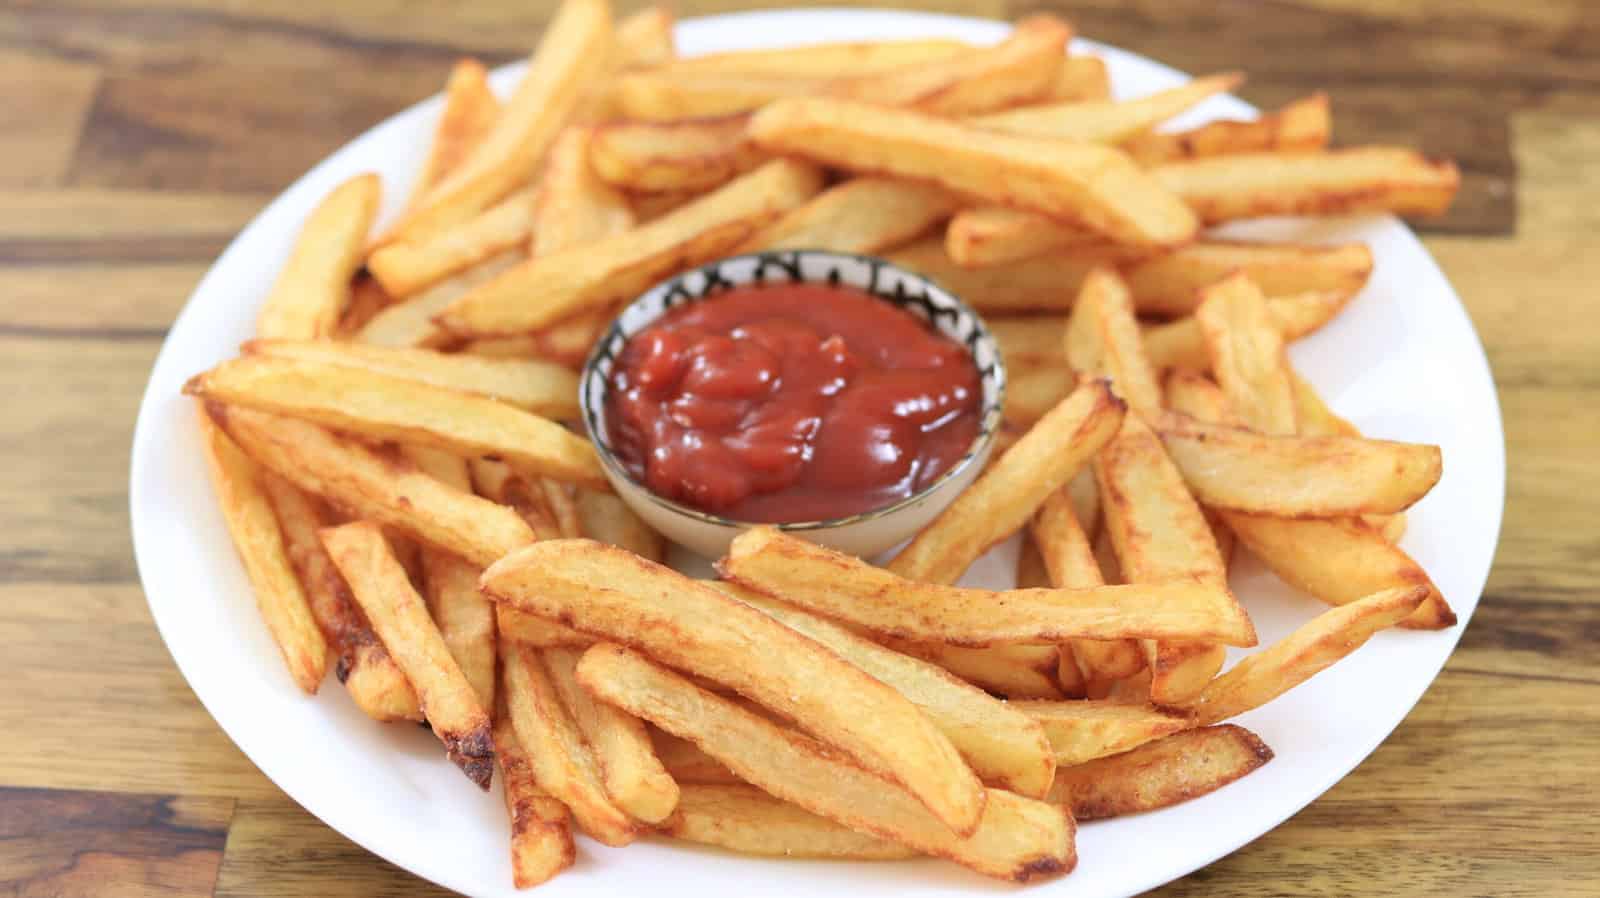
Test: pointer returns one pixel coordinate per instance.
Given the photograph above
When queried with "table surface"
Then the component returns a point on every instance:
(138, 136)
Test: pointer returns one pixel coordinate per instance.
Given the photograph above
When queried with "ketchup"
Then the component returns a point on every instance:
(792, 402)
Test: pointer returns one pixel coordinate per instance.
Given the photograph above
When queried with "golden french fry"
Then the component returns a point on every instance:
(400, 619)
(541, 841)
(1103, 338)
(567, 342)
(575, 206)
(1160, 774)
(367, 299)
(862, 215)
(1302, 126)
(410, 321)
(536, 632)
(496, 481)
(558, 497)
(1242, 470)
(1247, 354)
(1170, 284)
(1316, 419)
(1317, 644)
(1032, 392)
(687, 763)
(313, 287)
(1040, 284)
(632, 774)
(539, 387)
(1198, 396)
(648, 207)
(1082, 731)
(470, 108)
(1082, 79)
(746, 820)
(1014, 671)
(1015, 838)
(370, 484)
(408, 266)
(1000, 502)
(1106, 121)
(1004, 748)
(1031, 341)
(616, 595)
(253, 525)
(562, 761)
(1097, 185)
(821, 60)
(381, 407)
(645, 38)
(1181, 343)
(848, 589)
(693, 154)
(573, 53)
(606, 518)
(669, 95)
(547, 289)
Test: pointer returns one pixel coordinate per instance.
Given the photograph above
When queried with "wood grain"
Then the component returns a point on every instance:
(139, 136)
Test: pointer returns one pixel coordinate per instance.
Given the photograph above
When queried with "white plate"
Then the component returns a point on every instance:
(1402, 362)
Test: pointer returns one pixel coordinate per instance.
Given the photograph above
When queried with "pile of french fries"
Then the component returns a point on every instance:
(397, 465)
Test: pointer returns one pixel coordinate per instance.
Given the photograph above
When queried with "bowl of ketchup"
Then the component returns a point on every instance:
(837, 396)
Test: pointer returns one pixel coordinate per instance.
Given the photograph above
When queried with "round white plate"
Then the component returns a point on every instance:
(1402, 362)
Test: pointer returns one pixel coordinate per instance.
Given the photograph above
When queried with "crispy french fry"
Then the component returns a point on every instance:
(547, 289)
(668, 95)
(1247, 354)
(573, 53)
(1096, 185)
(616, 595)
(537, 632)
(1302, 126)
(687, 763)
(1040, 284)
(1199, 397)
(563, 763)
(1316, 419)
(406, 267)
(1006, 494)
(1104, 338)
(1106, 121)
(1081, 79)
(1160, 774)
(563, 507)
(313, 287)
(400, 619)
(539, 387)
(645, 38)
(1242, 470)
(1032, 392)
(848, 589)
(497, 482)
(470, 108)
(821, 60)
(373, 485)
(541, 841)
(1014, 671)
(1317, 644)
(988, 235)
(632, 774)
(1031, 341)
(248, 512)
(1032, 574)
(1082, 731)
(575, 206)
(862, 215)
(1181, 343)
(1170, 284)
(693, 154)
(381, 407)
(1015, 838)
(746, 820)
(367, 299)
(1004, 748)
(410, 321)
(606, 518)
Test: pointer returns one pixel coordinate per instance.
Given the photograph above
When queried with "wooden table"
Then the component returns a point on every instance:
(137, 137)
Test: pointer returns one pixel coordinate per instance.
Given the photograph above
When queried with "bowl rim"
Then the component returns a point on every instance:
(988, 425)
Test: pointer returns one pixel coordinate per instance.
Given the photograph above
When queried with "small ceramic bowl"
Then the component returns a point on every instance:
(865, 534)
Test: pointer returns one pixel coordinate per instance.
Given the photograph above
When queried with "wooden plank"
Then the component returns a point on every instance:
(39, 123)
(98, 226)
(70, 843)
(117, 300)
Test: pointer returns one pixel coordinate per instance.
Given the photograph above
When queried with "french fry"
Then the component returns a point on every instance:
(1000, 502)
(575, 206)
(1082, 731)
(692, 154)
(400, 619)
(313, 287)
(1317, 644)
(1014, 671)
(1081, 79)
(746, 820)
(988, 235)
(1247, 354)
(1316, 419)
(537, 632)
(541, 841)
(862, 215)
(497, 482)
(1032, 574)
(563, 764)
(1198, 396)
(1031, 341)
(367, 299)
(848, 589)
(1242, 470)
(645, 39)
(368, 672)
(821, 60)
(547, 289)
(632, 774)
(539, 387)
(1170, 284)
(1103, 337)
(369, 484)
(1096, 185)
(1015, 838)
(1106, 121)
(253, 525)
(1032, 392)
(1039, 284)
(470, 108)
(567, 342)
(572, 54)
(687, 763)
(1160, 774)
(410, 321)
(381, 407)
(668, 95)
(606, 518)
(616, 595)
(406, 267)
(1004, 748)
(1302, 126)
(563, 507)
(1181, 343)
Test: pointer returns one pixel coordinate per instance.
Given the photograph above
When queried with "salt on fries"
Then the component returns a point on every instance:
(395, 463)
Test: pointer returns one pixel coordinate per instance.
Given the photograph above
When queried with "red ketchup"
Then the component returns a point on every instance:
(793, 402)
